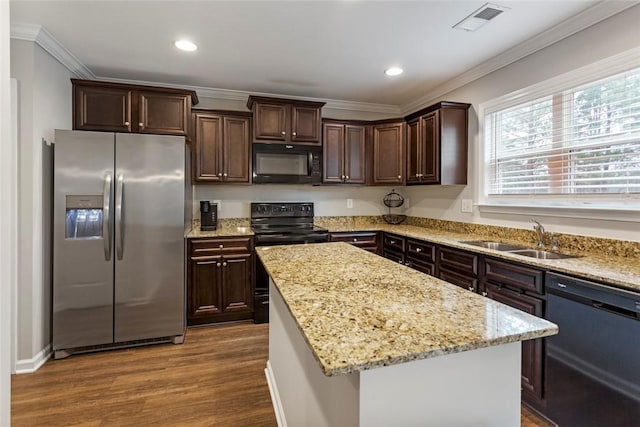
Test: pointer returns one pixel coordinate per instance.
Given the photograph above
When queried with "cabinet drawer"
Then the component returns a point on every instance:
(526, 303)
(420, 251)
(466, 282)
(463, 262)
(393, 256)
(393, 243)
(424, 267)
(217, 246)
(357, 239)
(512, 275)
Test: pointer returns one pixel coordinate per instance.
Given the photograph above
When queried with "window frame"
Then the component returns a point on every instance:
(616, 207)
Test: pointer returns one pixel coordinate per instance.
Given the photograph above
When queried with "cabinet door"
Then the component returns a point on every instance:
(204, 289)
(236, 149)
(305, 125)
(333, 153)
(102, 109)
(532, 360)
(388, 154)
(165, 114)
(270, 122)
(237, 294)
(430, 149)
(413, 152)
(208, 148)
(354, 154)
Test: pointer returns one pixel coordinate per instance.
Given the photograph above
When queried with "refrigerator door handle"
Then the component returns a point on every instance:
(119, 224)
(106, 217)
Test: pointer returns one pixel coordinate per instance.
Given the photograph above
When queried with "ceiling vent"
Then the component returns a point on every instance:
(480, 17)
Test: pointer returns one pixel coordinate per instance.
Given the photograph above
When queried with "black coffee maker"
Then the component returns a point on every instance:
(208, 216)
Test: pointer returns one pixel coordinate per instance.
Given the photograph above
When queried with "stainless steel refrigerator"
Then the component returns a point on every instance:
(118, 240)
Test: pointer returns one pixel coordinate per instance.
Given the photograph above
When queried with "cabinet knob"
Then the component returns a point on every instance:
(347, 176)
(342, 176)
(392, 242)
(294, 133)
(219, 173)
(484, 294)
(418, 250)
(140, 124)
(218, 265)
(126, 123)
(400, 261)
(417, 175)
(224, 264)
(284, 133)
(399, 176)
(470, 288)
(355, 240)
(408, 264)
(224, 174)
(221, 246)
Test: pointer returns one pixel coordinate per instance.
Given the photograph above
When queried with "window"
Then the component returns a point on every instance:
(578, 140)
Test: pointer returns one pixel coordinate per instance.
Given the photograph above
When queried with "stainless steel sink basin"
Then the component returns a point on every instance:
(535, 253)
(494, 245)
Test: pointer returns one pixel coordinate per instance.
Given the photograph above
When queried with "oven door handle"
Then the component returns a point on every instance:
(310, 164)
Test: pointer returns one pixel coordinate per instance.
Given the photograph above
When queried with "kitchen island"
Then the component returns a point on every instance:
(358, 340)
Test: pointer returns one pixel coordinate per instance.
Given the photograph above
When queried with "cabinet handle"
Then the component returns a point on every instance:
(408, 264)
(418, 250)
(284, 133)
(126, 123)
(140, 124)
(484, 294)
(393, 242)
(470, 288)
(294, 134)
(221, 246)
(400, 261)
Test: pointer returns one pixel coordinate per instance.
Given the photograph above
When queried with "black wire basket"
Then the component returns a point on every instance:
(393, 200)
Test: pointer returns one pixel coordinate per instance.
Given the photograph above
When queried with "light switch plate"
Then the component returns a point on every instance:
(467, 205)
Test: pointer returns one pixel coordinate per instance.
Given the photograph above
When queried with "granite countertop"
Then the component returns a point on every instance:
(360, 311)
(622, 272)
(227, 227)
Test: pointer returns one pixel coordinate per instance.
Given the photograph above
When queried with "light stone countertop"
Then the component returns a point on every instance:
(360, 311)
(618, 271)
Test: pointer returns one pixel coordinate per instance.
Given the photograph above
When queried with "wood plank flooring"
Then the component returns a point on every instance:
(216, 378)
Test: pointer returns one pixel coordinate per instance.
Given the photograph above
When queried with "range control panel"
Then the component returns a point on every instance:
(275, 209)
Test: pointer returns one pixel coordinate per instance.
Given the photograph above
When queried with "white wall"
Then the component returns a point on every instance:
(612, 36)
(44, 105)
(8, 214)
(329, 200)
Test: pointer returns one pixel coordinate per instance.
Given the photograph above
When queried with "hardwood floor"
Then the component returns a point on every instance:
(216, 378)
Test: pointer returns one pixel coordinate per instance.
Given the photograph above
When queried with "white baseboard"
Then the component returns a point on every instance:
(27, 366)
(275, 397)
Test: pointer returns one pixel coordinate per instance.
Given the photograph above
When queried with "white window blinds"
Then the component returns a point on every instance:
(583, 140)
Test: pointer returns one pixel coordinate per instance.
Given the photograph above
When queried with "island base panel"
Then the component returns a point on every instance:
(477, 387)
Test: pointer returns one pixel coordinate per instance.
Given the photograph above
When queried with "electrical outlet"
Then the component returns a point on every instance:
(467, 205)
(349, 203)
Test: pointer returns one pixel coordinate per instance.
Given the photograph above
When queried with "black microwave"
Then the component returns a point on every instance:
(287, 164)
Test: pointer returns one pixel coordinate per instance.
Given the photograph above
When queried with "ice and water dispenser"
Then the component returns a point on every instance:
(83, 217)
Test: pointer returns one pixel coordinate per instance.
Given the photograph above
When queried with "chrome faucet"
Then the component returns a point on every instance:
(540, 230)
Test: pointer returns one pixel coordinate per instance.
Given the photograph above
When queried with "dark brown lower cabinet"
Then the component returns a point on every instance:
(393, 247)
(532, 350)
(459, 267)
(421, 256)
(367, 240)
(219, 280)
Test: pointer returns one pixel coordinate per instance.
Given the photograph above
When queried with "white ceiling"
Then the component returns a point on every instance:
(319, 49)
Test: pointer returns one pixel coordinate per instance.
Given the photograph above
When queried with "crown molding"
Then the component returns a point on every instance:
(42, 37)
(593, 15)
(241, 95)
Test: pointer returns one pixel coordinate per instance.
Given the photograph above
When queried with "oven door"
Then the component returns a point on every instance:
(286, 164)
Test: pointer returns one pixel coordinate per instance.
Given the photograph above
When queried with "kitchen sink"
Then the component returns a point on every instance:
(498, 246)
(539, 254)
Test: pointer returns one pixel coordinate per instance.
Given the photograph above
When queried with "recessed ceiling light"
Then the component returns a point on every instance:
(393, 71)
(186, 45)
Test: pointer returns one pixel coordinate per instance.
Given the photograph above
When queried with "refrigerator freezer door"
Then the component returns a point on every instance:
(82, 261)
(149, 237)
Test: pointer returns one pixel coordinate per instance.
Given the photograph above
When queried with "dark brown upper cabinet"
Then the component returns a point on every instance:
(286, 121)
(437, 144)
(344, 148)
(222, 151)
(118, 107)
(388, 157)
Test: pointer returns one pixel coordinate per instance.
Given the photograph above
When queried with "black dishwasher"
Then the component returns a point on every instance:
(593, 364)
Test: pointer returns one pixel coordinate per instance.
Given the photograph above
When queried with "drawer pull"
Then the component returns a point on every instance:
(221, 246)
(418, 250)
(355, 240)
